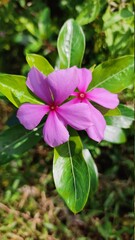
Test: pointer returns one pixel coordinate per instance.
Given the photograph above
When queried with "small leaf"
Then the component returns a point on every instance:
(121, 110)
(92, 171)
(114, 75)
(15, 89)
(119, 121)
(122, 121)
(40, 63)
(113, 112)
(92, 67)
(126, 111)
(71, 44)
(89, 12)
(17, 140)
(29, 25)
(125, 13)
(71, 175)
(33, 46)
(114, 135)
(44, 25)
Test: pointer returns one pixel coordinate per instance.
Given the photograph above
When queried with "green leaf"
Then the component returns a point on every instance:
(113, 112)
(114, 75)
(17, 140)
(125, 13)
(89, 12)
(33, 46)
(114, 135)
(124, 120)
(44, 23)
(121, 110)
(126, 111)
(119, 121)
(71, 175)
(29, 25)
(71, 44)
(40, 63)
(92, 171)
(15, 89)
(107, 111)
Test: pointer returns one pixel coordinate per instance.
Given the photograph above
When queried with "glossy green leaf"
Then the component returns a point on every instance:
(92, 171)
(71, 44)
(119, 121)
(35, 60)
(114, 75)
(114, 135)
(15, 89)
(17, 140)
(89, 12)
(71, 175)
(124, 120)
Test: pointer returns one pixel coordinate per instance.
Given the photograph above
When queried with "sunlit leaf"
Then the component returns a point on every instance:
(29, 25)
(124, 120)
(44, 25)
(113, 112)
(126, 111)
(92, 171)
(89, 12)
(114, 135)
(71, 44)
(114, 75)
(40, 63)
(15, 89)
(71, 174)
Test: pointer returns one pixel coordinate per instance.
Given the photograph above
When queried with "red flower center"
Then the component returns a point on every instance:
(53, 107)
(82, 95)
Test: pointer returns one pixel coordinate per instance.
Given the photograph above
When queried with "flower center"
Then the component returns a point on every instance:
(82, 95)
(53, 107)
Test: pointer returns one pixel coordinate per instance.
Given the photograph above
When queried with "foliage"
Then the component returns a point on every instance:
(31, 208)
(33, 27)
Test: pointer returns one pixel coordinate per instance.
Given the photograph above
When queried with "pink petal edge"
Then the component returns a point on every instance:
(103, 97)
(54, 131)
(30, 115)
(96, 131)
(37, 83)
(77, 115)
(62, 83)
(85, 77)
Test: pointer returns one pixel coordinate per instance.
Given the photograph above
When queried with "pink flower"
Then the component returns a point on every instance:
(54, 89)
(98, 95)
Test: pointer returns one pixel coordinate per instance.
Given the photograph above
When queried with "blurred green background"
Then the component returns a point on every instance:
(30, 207)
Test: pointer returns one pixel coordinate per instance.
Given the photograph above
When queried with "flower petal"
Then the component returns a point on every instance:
(103, 97)
(72, 101)
(96, 131)
(85, 77)
(54, 130)
(37, 83)
(30, 115)
(62, 83)
(76, 115)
